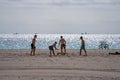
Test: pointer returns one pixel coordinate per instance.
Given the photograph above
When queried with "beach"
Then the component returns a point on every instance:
(98, 65)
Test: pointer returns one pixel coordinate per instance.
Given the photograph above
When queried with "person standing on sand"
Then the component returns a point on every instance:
(82, 46)
(33, 47)
(51, 48)
(62, 44)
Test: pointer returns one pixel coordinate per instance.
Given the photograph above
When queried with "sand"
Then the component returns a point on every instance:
(98, 65)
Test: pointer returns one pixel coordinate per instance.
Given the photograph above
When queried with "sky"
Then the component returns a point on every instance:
(60, 16)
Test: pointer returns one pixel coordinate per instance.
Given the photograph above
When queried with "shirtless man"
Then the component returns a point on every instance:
(51, 48)
(33, 47)
(62, 44)
(82, 46)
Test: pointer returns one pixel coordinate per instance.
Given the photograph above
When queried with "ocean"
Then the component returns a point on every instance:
(93, 41)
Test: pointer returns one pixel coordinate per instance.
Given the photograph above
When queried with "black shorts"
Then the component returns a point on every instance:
(51, 48)
(63, 45)
(33, 46)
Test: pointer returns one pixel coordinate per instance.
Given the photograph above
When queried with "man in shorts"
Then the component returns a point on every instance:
(51, 48)
(33, 47)
(82, 46)
(62, 44)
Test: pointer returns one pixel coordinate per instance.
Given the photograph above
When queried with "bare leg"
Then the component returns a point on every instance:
(65, 51)
(80, 52)
(53, 53)
(85, 52)
(50, 53)
(34, 52)
(31, 52)
(61, 50)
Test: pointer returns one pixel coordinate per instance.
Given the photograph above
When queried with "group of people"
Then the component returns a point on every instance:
(62, 44)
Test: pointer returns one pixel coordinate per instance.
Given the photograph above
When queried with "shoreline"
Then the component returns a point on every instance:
(69, 51)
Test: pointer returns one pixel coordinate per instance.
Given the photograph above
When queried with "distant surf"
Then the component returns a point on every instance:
(93, 41)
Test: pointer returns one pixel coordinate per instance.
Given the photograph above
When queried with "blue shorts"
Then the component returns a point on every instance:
(82, 47)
